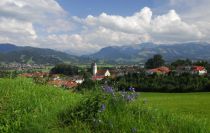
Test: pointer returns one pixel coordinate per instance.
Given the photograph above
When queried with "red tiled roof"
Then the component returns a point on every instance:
(39, 74)
(98, 77)
(27, 75)
(162, 69)
(198, 68)
(66, 83)
(70, 84)
(154, 70)
(101, 72)
(58, 83)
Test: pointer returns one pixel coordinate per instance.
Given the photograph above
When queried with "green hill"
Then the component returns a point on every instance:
(11, 53)
(27, 107)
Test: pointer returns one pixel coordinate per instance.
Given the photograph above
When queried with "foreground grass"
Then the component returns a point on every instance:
(27, 107)
(195, 104)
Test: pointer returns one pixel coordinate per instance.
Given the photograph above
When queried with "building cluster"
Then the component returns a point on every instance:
(163, 70)
(99, 74)
(114, 72)
(19, 67)
(56, 80)
(194, 70)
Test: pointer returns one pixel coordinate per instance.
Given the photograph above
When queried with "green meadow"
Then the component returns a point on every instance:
(195, 104)
(28, 107)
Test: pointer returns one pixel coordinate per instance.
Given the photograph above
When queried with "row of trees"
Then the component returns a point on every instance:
(157, 61)
(162, 83)
(65, 69)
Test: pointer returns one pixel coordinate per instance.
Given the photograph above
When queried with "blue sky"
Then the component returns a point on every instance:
(82, 8)
(86, 26)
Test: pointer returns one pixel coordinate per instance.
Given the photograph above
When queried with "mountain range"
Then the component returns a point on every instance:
(112, 54)
(10, 53)
(144, 51)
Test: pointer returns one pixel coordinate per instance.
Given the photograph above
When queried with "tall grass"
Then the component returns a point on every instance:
(27, 107)
(121, 114)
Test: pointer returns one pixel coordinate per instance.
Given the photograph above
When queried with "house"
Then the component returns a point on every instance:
(199, 70)
(40, 74)
(35, 74)
(26, 75)
(183, 69)
(78, 79)
(56, 83)
(98, 77)
(63, 83)
(70, 84)
(105, 73)
(99, 74)
(159, 70)
(55, 77)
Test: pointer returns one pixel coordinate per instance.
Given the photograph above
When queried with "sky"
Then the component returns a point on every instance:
(85, 26)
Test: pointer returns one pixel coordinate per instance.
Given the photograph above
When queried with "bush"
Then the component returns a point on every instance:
(164, 83)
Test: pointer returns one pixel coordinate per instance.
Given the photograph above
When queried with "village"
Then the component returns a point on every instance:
(22, 67)
(97, 74)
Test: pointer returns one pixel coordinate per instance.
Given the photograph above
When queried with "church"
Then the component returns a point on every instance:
(99, 74)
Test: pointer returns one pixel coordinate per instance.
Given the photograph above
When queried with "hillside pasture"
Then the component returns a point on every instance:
(28, 107)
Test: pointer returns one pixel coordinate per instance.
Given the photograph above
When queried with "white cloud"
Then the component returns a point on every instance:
(35, 11)
(105, 30)
(75, 44)
(45, 23)
(170, 28)
(15, 31)
(26, 21)
(137, 23)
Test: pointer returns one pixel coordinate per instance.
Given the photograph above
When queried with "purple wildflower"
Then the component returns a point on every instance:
(132, 89)
(103, 107)
(133, 130)
(109, 89)
(129, 98)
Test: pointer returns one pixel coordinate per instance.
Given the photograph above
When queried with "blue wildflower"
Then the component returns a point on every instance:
(134, 130)
(103, 107)
(109, 89)
(132, 89)
(129, 98)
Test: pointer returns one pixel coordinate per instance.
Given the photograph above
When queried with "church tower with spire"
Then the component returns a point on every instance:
(94, 68)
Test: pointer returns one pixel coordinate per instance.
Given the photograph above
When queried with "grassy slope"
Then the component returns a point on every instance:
(26, 107)
(196, 104)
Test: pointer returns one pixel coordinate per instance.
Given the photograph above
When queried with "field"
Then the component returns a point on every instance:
(195, 104)
(28, 107)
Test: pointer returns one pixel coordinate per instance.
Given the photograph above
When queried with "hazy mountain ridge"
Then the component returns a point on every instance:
(112, 54)
(12, 53)
(141, 52)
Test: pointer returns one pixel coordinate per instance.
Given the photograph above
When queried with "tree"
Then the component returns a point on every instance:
(65, 69)
(155, 62)
(179, 62)
(201, 63)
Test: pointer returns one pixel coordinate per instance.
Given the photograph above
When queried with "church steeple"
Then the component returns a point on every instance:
(94, 68)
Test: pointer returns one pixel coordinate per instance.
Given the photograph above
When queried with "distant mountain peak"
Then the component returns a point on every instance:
(141, 52)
